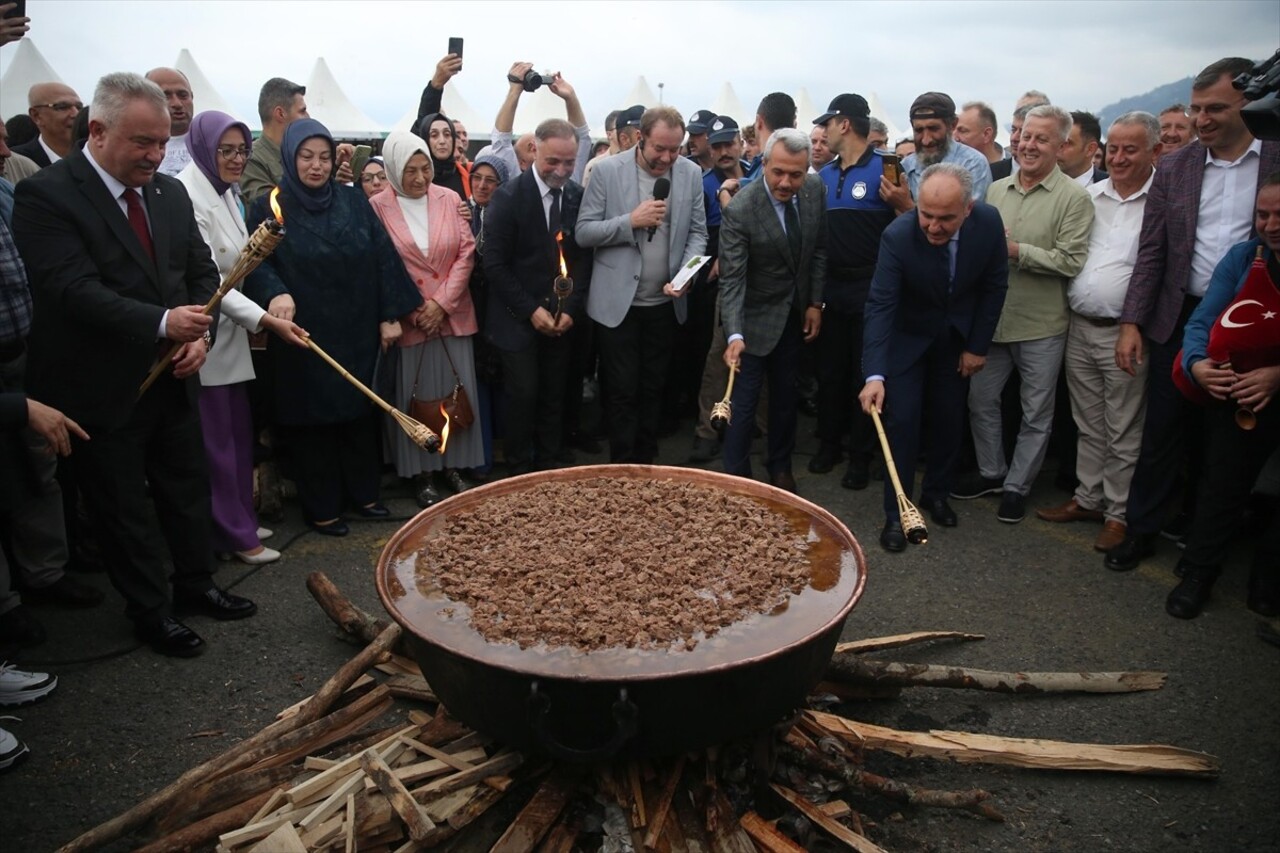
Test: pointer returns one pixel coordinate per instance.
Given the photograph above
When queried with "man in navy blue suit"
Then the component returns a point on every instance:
(939, 285)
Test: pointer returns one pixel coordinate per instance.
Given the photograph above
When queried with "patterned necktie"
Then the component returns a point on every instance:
(138, 222)
(792, 220)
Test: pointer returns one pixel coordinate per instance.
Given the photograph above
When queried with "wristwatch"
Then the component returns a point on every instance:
(821, 306)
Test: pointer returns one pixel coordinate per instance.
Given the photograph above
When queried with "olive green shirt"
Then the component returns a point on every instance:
(1051, 224)
(263, 170)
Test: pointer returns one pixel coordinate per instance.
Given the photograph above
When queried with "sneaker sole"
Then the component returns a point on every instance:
(993, 491)
(1010, 520)
(26, 697)
(15, 757)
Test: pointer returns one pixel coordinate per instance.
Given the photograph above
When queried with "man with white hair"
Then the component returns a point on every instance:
(773, 266)
(1048, 217)
(118, 272)
(1108, 404)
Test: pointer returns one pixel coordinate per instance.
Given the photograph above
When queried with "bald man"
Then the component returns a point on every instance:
(177, 95)
(53, 107)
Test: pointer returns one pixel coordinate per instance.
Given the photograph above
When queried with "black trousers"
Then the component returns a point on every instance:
(160, 445)
(692, 342)
(1172, 425)
(839, 369)
(634, 358)
(1232, 458)
(928, 396)
(781, 367)
(533, 385)
(335, 463)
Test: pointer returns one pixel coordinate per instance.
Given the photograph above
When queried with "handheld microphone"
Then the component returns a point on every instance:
(661, 189)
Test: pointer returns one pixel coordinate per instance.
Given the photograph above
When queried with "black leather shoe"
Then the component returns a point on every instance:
(825, 459)
(892, 537)
(427, 494)
(1189, 596)
(1125, 557)
(333, 528)
(456, 481)
(374, 510)
(19, 628)
(216, 603)
(941, 512)
(169, 637)
(858, 475)
(67, 592)
(784, 480)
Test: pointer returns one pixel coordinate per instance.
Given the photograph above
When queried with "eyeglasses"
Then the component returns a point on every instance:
(61, 106)
(373, 176)
(226, 152)
(484, 179)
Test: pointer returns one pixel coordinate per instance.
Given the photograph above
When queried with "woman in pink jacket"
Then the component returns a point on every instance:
(438, 250)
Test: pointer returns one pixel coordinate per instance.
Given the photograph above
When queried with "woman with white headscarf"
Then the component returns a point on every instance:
(438, 251)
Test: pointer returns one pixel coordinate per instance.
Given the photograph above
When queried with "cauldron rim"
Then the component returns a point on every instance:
(737, 485)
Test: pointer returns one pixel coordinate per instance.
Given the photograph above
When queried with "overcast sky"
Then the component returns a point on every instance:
(1083, 54)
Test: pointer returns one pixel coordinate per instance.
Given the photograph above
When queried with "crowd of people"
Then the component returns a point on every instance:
(979, 299)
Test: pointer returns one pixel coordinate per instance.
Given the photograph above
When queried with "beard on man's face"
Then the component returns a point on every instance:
(934, 154)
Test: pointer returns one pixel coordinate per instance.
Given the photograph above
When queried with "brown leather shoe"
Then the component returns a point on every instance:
(1069, 511)
(1112, 535)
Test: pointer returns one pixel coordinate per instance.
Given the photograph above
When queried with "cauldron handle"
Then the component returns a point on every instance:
(625, 714)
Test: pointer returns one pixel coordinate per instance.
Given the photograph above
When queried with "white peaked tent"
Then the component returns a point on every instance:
(328, 104)
(537, 107)
(455, 106)
(728, 104)
(640, 94)
(203, 95)
(27, 68)
(806, 109)
(878, 110)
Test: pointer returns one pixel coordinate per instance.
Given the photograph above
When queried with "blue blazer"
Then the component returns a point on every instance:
(913, 301)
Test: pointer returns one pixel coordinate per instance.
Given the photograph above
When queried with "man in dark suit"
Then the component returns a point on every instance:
(1200, 204)
(773, 265)
(526, 322)
(935, 300)
(118, 271)
(53, 107)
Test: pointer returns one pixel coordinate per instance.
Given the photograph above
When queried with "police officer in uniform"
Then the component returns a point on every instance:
(856, 217)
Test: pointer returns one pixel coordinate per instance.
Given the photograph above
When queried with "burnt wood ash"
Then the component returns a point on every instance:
(608, 562)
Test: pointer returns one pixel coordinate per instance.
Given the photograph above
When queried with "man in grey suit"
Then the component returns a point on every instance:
(640, 243)
(773, 262)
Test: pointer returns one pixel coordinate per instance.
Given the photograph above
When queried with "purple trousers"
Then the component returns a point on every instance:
(228, 445)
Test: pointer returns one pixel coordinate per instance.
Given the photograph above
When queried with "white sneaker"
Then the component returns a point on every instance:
(265, 533)
(266, 555)
(21, 688)
(12, 750)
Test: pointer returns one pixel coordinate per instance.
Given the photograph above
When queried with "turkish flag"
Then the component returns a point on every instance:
(1246, 335)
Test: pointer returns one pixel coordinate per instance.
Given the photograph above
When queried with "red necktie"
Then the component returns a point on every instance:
(138, 222)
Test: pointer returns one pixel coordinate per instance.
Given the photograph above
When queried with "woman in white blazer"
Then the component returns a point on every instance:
(219, 147)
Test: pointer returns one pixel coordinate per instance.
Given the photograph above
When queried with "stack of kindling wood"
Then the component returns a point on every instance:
(330, 774)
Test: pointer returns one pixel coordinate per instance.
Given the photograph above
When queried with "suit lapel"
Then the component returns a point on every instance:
(772, 226)
(109, 209)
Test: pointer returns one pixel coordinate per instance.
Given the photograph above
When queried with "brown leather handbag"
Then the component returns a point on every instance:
(432, 412)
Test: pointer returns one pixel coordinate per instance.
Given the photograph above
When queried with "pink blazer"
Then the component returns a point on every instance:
(444, 272)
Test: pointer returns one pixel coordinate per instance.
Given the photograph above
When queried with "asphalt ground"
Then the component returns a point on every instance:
(124, 721)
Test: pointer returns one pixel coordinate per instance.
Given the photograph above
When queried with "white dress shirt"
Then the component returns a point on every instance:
(544, 193)
(53, 156)
(1226, 211)
(1098, 290)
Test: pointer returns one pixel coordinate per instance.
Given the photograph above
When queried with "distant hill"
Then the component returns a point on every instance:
(1152, 102)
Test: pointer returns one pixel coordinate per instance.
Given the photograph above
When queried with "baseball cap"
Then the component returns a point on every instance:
(853, 106)
(700, 121)
(630, 117)
(933, 105)
(722, 129)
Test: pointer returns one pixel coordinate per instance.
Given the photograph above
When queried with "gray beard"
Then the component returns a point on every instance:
(928, 158)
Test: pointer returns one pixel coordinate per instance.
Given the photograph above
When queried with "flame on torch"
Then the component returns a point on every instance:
(564, 269)
(275, 205)
(444, 430)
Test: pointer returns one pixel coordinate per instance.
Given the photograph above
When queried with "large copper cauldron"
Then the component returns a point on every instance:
(584, 706)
